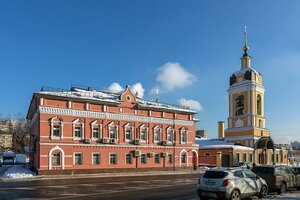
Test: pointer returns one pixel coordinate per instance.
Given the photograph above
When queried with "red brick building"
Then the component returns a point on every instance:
(89, 131)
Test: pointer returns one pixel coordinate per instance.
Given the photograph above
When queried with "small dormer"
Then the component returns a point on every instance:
(127, 98)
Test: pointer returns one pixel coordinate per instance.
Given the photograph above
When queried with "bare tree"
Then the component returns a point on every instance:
(19, 129)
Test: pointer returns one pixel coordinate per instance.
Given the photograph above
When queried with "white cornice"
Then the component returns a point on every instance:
(244, 129)
(112, 116)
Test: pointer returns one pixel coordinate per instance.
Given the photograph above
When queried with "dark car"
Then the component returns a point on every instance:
(297, 169)
(278, 177)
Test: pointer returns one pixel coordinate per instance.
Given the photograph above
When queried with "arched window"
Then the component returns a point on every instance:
(96, 129)
(170, 134)
(113, 130)
(239, 102)
(183, 135)
(183, 158)
(128, 131)
(78, 129)
(260, 124)
(56, 128)
(157, 133)
(258, 104)
(143, 133)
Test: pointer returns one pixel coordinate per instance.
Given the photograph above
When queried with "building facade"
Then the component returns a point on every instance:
(86, 131)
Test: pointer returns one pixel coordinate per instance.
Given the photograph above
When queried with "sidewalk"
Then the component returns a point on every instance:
(150, 173)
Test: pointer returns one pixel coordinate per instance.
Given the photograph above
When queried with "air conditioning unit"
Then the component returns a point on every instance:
(113, 141)
(137, 141)
(87, 140)
(165, 143)
(105, 140)
(151, 154)
(164, 154)
(137, 153)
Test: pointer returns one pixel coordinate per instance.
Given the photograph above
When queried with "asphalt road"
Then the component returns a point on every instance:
(168, 187)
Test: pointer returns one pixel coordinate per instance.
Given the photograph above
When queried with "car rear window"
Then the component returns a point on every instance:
(215, 174)
(263, 170)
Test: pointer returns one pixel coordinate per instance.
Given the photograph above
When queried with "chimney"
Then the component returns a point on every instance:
(221, 132)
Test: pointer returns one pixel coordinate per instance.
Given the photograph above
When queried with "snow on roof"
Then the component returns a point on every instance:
(243, 71)
(205, 143)
(110, 97)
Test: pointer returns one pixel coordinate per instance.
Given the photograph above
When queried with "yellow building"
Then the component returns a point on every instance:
(246, 121)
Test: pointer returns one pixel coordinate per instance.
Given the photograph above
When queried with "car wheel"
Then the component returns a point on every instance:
(263, 192)
(235, 195)
(282, 188)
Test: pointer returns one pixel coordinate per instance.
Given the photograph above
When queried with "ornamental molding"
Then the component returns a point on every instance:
(245, 87)
(112, 116)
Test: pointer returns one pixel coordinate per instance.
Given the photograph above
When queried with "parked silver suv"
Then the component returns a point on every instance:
(230, 183)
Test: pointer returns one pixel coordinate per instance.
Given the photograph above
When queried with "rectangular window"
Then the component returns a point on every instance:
(237, 159)
(170, 137)
(78, 131)
(128, 134)
(157, 136)
(143, 135)
(183, 138)
(157, 158)
(244, 157)
(96, 132)
(250, 157)
(113, 158)
(170, 158)
(96, 158)
(277, 158)
(113, 133)
(56, 130)
(78, 158)
(56, 159)
(129, 158)
(144, 159)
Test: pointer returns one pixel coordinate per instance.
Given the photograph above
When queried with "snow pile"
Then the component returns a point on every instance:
(205, 143)
(18, 171)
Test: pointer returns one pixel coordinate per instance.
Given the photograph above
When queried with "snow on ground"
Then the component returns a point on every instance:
(18, 171)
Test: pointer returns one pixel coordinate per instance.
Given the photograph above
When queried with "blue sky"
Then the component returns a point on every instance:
(97, 43)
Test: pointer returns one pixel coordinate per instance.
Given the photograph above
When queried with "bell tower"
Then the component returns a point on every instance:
(246, 121)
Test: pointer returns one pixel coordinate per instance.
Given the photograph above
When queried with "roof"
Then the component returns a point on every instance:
(110, 97)
(205, 143)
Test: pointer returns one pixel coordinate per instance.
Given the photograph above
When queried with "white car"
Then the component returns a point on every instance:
(230, 183)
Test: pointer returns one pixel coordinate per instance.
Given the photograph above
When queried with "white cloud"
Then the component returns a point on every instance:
(171, 76)
(138, 88)
(195, 105)
(116, 87)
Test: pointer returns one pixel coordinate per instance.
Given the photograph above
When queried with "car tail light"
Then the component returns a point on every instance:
(226, 182)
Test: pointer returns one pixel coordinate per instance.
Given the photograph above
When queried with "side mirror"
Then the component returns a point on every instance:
(257, 177)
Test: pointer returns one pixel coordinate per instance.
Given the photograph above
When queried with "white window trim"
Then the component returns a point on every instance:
(96, 124)
(116, 158)
(173, 134)
(62, 157)
(183, 131)
(146, 159)
(81, 123)
(131, 156)
(250, 153)
(93, 158)
(244, 153)
(129, 126)
(159, 161)
(160, 133)
(61, 125)
(74, 158)
(144, 126)
(110, 125)
(187, 158)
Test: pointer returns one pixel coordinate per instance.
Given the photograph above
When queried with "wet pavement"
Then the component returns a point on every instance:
(169, 187)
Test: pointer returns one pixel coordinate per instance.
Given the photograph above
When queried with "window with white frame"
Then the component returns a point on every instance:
(157, 133)
(78, 158)
(244, 157)
(251, 157)
(56, 128)
(183, 135)
(157, 158)
(113, 159)
(128, 132)
(143, 158)
(183, 158)
(96, 127)
(128, 158)
(96, 158)
(143, 133)
(113, 130)
(56, 159)
(170, 134)
(78, 126)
